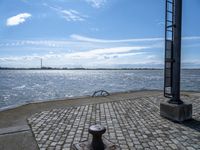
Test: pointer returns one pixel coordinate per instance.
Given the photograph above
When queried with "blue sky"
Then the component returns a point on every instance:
(92, 33)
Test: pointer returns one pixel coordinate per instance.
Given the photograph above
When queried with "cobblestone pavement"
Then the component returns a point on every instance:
(130, 123)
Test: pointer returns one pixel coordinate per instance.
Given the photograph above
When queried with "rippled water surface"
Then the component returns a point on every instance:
(23, 86)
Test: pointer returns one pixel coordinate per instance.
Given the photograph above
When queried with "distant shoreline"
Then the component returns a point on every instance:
(50, 68)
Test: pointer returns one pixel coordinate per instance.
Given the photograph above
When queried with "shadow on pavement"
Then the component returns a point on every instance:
(193, 124)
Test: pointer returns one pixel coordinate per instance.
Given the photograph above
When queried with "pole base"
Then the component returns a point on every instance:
(175, 112)
(175, 101)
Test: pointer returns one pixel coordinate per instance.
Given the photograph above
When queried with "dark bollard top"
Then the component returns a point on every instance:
(97, 129)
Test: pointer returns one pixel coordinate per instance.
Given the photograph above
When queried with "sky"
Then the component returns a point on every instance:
(92, 33)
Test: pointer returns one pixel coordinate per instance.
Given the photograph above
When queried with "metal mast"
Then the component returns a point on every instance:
(173, 23)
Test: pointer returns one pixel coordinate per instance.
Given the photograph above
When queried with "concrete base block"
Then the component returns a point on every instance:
(176, 112)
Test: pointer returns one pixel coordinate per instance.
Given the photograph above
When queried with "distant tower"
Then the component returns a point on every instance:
(41, 63)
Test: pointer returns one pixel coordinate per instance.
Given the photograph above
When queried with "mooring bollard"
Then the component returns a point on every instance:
(97, 142)
(97, 131)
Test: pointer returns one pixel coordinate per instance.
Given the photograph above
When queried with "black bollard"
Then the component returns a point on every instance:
(97, 142)
(97, 131)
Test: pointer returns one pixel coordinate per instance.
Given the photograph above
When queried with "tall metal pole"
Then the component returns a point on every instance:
(177, 53)
(41, 63)
(174, 109)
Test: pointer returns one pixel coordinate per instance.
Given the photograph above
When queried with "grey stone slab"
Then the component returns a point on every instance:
(14, 129)
(18, 141)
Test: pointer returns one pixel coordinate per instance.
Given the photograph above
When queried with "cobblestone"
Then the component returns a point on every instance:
(130, 123)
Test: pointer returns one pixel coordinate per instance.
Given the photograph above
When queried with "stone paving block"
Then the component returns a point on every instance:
(131, 124)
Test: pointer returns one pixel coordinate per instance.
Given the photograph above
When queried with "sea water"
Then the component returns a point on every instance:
(18, 87)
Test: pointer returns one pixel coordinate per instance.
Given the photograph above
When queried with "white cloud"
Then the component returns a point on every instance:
(69, 15)
(191, 38)
(195, 61)
(96, 3)
(78, 42)
(37, 43)
(18, 19)
(88, 39)
(72, 15)
(18, 58)
(97, 53)
(86, 51)
(93, 55)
